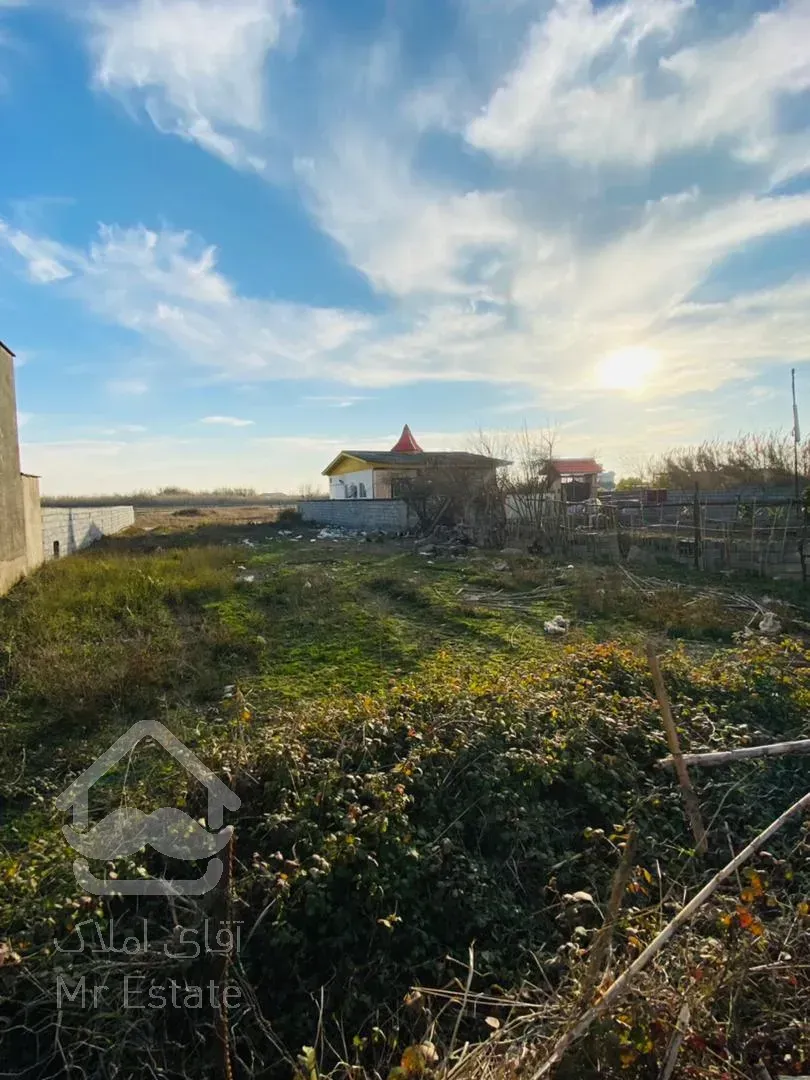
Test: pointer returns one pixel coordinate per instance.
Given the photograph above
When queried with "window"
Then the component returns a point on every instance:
(362, 491)
(56, 549)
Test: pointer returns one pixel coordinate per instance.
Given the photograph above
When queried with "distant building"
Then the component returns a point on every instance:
(573, 479)
(20, 517)
(375, 474)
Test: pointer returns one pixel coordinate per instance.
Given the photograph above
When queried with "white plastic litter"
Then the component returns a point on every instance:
(247, 579)
(558, 625)
(769, 624)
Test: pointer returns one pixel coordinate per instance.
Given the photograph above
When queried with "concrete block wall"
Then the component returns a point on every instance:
(366, 515)
(32, 512)
(76, 527)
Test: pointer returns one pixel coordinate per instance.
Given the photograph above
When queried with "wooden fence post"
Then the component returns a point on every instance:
(690, 799)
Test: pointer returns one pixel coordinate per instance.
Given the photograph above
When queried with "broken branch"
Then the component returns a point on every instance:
(690, 799)
(723, 757)
(621, 985)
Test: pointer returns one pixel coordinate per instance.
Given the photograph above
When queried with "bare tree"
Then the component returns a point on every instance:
(523, 484)
(454, 494)
(749, 460)
(307, 492)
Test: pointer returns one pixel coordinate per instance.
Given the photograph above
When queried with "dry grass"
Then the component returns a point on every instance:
(180, 519)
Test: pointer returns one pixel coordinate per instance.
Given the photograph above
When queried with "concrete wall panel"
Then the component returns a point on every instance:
(76, 527)
(32, 512)
(366, 515)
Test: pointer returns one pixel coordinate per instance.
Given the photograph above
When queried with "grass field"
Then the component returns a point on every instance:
(428, 780)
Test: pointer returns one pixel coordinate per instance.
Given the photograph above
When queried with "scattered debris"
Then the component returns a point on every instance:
(558, 625)
(336, 532)
(733, 601)
(247, 579)
(514, 601)
(500, 566)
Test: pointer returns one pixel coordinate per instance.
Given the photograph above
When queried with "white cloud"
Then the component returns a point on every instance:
(403, 233)
(43, 258)
(227, 421)
(337, 401)
(119, 429)
(624, 84)
(128, 387)
(197, 65)
(165, 286)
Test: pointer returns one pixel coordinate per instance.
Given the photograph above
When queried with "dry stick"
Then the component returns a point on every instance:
(222, 1022)
(690, 800)
(731, 849)
(618, 988)
(601, 945)
(682, 1026)
(723, 757)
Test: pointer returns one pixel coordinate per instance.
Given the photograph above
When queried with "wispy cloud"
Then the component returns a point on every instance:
(627, 83)
(128, 387)
(337, 401)
(42, 257)
(195, 65)
(119, 429)
(227, 421)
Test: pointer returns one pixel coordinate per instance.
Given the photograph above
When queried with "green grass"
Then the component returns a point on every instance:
(416, 772)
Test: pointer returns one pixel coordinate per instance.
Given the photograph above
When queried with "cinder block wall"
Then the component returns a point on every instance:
(76, 527)
(367, 515)
(32, 512)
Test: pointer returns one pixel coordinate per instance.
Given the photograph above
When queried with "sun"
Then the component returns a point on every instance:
(627, 369)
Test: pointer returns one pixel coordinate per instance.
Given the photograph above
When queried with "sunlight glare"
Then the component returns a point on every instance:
(627, 369)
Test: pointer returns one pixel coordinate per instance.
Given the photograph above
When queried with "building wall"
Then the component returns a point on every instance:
(12, 521)
(76, 527)
(340, 484)
(32, 514)
(11, 570)
(366, 515)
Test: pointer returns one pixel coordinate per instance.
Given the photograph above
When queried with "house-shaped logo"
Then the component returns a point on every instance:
(127, 829)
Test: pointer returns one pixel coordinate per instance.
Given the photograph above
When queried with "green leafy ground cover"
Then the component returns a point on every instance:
(418, 774)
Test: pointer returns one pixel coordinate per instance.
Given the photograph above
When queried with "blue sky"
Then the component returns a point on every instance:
(239, 235)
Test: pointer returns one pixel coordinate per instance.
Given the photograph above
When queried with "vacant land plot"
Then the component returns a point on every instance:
(435, 793)
(172, 518)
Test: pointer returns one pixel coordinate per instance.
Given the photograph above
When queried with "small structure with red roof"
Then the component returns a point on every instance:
(574, 478)
(373, 474)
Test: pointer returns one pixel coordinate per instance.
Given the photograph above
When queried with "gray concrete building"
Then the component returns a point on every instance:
(20, 524)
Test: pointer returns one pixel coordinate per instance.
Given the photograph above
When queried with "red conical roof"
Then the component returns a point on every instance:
(407, 443)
